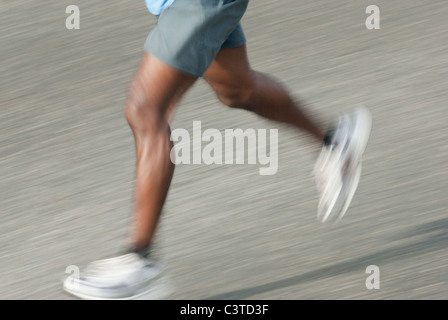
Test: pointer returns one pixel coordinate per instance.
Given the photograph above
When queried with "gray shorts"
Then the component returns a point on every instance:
(189, 33)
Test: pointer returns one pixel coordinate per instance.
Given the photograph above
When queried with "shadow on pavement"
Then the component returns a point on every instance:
(436, 241)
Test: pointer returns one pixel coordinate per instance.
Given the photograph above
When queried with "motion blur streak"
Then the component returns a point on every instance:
(67, 155)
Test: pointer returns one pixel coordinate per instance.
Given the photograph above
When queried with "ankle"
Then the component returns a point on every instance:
(142, 251)
(328, 137)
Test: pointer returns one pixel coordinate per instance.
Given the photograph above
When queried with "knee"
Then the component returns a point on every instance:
(142, 112)
(240, 98)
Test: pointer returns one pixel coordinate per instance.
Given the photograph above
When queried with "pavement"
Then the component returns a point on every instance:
(67, 155)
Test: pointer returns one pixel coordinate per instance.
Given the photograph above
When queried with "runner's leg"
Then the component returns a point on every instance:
(237, 85)
(154, 92)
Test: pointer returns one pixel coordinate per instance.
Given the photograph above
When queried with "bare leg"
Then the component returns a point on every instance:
(153, 95)
(237, 85)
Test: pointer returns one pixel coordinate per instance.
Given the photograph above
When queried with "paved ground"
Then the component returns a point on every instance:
(67, 154)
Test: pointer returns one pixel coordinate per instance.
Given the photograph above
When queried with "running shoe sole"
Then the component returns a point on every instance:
(159, 289)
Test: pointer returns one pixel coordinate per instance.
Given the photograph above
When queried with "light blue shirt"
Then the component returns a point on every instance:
(157, 6)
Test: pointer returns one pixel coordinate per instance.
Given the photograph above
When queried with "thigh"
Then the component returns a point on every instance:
(230, 72)
(157, 87)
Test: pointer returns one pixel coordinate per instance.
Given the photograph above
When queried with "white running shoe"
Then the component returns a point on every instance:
(338, 168)
(127, 277)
